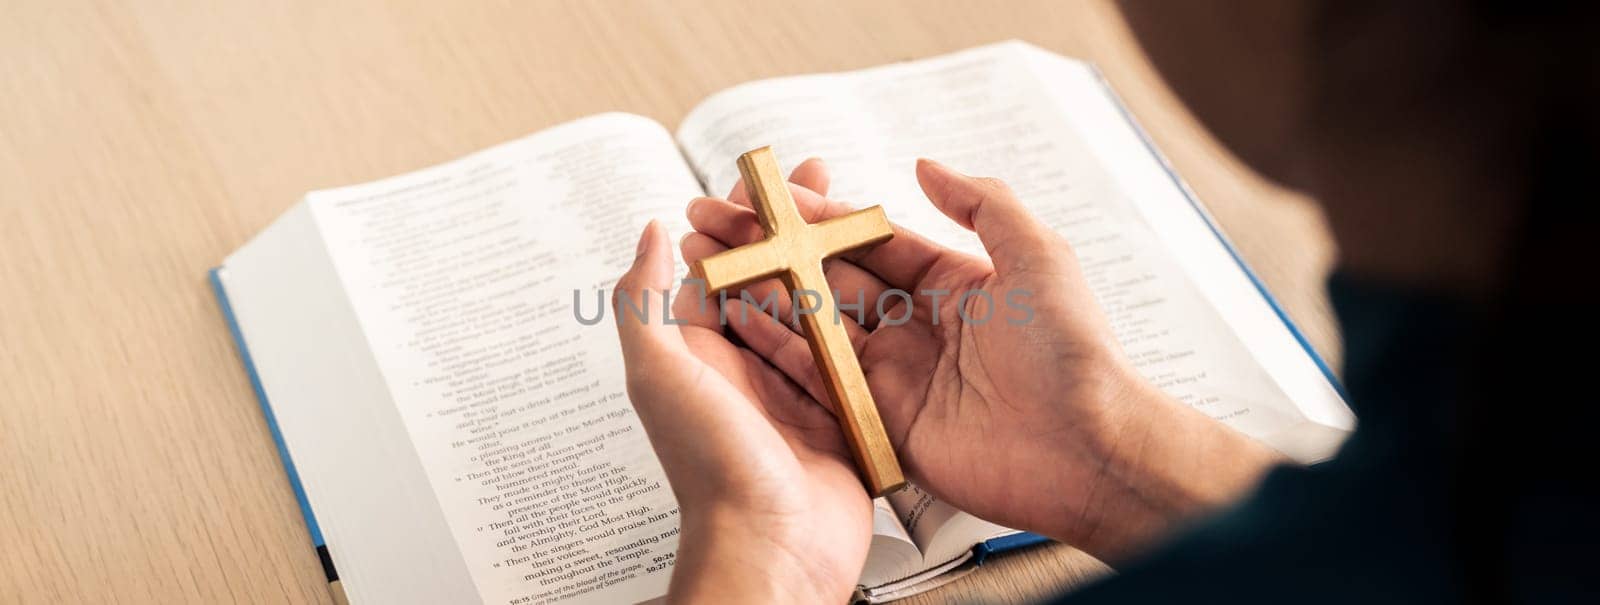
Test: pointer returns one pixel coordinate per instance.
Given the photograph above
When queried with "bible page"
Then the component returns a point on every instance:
(478, 286)
(893, 554)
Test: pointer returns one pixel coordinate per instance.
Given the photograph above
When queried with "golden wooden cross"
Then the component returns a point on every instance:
(793, 252)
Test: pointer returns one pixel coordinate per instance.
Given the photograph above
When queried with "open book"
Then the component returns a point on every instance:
(457, 434)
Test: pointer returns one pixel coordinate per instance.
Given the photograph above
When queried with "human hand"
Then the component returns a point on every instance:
(1034, 421)
(772, 510)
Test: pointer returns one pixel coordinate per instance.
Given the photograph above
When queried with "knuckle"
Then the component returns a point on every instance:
(991, 191)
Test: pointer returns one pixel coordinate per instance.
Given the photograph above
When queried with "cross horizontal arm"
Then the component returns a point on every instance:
(859, 229)
(740, 265)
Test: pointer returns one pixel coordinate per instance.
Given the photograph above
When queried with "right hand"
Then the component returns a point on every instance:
(1040, 425)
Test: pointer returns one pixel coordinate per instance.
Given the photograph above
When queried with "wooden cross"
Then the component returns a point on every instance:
(793, 252)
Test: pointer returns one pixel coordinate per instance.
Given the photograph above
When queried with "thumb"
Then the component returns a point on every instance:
(685, 417)
(1015, 241)
(639, 302)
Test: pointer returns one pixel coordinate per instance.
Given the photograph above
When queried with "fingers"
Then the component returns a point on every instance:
(695, 305)
(671, 390)
(730, 223)
(781, 346)
(639, 305)
(1016, 242)
(811, 174)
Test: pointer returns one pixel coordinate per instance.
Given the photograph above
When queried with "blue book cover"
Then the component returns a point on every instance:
(221, 292)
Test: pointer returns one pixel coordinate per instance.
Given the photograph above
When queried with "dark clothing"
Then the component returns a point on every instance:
(1449, 490)
(1468, 477)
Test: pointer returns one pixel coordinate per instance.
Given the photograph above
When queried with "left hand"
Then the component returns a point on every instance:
(772, 509)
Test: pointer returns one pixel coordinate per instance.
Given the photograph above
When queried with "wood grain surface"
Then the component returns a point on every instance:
(140, 142)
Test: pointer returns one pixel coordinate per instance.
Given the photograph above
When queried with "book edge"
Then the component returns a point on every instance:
(1216, 231)
(219, 289)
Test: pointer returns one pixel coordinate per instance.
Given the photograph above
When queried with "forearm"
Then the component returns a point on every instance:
(1167, 464)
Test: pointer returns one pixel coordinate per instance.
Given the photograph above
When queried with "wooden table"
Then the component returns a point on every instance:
(141, 142)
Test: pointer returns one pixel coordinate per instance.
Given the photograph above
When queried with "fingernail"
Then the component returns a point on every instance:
(683, 239)
(694, 207)
(645, 238)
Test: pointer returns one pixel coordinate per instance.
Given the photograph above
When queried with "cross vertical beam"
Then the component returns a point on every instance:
(793, 252)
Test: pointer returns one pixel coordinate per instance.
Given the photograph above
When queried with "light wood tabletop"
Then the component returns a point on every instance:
(142, 142)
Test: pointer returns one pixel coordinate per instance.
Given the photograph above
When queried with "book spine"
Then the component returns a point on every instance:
(1004, 544)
